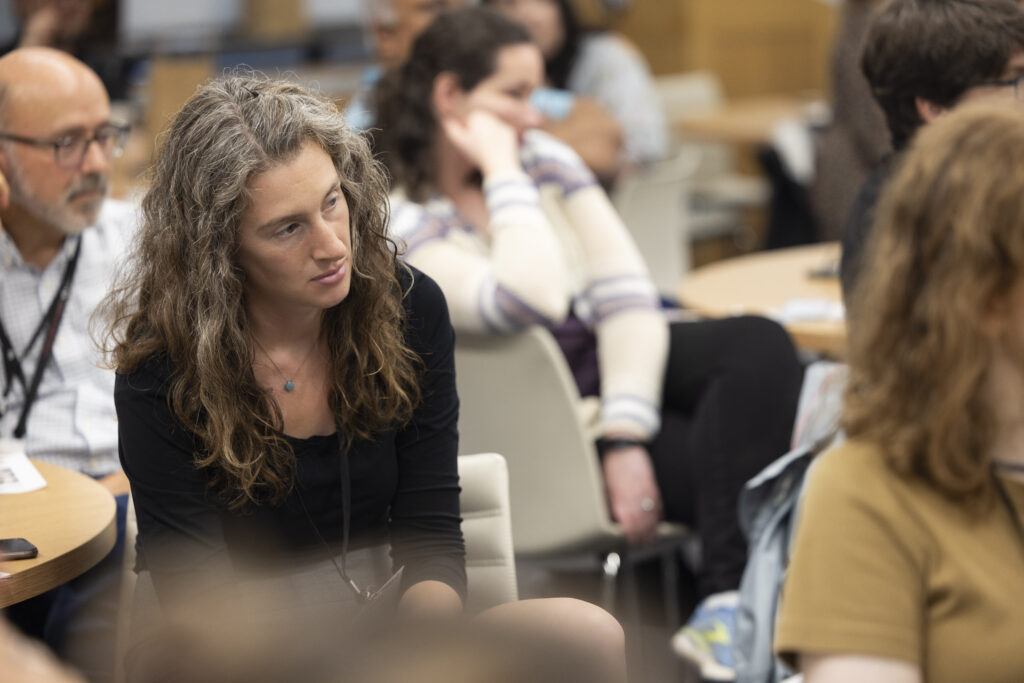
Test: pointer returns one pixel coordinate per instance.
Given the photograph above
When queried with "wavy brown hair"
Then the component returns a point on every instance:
(946, 249)
(182, 296)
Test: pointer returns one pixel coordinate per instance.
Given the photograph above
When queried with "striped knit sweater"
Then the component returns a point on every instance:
(553, 241)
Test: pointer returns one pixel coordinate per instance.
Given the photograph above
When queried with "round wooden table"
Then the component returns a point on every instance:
(763, 282)
(73, 523)
(748, 121)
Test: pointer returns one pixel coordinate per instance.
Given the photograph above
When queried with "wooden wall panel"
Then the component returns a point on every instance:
(755, 46)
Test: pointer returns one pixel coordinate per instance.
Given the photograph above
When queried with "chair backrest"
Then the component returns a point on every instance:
(688, 92)
(518, 398)
(487, 528)
(695, 93)
(652, 203)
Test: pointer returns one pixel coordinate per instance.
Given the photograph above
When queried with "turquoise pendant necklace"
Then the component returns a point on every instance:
(289, 385)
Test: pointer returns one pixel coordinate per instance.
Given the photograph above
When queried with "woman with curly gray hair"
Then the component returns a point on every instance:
(285, 387)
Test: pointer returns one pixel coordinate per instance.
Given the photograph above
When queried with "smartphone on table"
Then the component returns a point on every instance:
(16, 549)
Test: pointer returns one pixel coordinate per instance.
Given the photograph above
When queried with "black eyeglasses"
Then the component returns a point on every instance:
(69, 150)
(1017, 83)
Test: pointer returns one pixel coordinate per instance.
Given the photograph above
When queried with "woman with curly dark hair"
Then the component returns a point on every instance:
(262, 328)
(285, 388)
(516, 232)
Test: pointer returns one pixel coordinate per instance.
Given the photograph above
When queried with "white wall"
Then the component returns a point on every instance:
(194, 20)
(178, 20)
(328, 12)
(197, 19)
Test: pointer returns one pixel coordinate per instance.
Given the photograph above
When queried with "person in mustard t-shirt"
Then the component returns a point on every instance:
(908, 563)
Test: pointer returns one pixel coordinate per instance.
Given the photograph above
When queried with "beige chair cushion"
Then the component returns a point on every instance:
(486, 525)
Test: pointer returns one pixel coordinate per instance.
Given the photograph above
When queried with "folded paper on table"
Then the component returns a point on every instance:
(807, 310)
(17, 473)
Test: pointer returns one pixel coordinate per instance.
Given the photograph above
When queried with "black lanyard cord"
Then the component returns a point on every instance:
(51, 322)
(363, 595)
(12, 368)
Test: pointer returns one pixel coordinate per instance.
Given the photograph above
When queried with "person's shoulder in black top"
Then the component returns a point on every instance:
(858, 225)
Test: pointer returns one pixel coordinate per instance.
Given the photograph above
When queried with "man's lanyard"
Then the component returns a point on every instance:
(50, 322)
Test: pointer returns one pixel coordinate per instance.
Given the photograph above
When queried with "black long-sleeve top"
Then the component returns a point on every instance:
(404, 483)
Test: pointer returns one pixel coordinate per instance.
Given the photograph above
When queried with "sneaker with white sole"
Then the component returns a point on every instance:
(707, 639)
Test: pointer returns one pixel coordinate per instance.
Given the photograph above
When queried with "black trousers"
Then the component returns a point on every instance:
(730, 397)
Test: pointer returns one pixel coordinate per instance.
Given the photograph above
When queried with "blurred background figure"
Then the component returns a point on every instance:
(856, 140)
(393, 25)
(590, 76)
(87, 29)
(51, 23)
(609, 73)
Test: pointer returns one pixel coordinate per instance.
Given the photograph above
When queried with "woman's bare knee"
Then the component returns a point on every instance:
(581, 624)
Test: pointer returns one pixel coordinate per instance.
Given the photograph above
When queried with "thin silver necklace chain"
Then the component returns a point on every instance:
(289, 384)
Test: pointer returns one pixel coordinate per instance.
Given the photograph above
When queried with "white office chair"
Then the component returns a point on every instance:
(519, 398)
(486, 526)
(718, 195)
(651, 200)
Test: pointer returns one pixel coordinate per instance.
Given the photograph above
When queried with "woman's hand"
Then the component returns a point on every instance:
(486, 140)
(633, 493)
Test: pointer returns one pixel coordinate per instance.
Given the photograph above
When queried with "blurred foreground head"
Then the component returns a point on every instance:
(427, 651)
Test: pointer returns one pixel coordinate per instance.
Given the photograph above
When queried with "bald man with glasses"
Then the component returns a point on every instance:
(60, 241)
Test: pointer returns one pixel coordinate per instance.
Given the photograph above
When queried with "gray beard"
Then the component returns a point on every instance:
(60, 215)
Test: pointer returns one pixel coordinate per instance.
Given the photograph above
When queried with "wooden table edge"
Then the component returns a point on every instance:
(817, 341)
(37, 580)
(807, 335)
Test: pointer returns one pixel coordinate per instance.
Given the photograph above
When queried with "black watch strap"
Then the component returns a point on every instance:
(612, 443)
